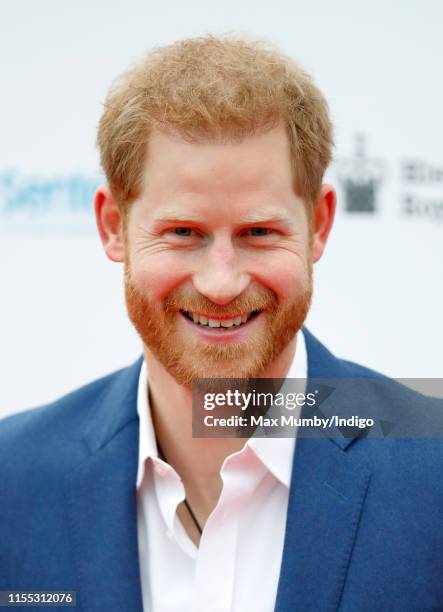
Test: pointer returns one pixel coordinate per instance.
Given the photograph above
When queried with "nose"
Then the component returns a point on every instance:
(220, 277)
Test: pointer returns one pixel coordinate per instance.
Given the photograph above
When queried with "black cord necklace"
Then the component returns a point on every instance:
(191, 512)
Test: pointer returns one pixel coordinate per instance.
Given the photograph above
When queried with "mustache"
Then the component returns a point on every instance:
(254, 300)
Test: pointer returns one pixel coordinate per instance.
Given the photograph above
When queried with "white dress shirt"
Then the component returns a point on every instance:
(237, 564)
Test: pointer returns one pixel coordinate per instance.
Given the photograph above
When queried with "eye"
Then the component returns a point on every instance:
(260, 231)
(182, 236)
(182, 231)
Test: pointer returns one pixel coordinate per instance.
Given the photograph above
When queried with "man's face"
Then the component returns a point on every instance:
(218, 265)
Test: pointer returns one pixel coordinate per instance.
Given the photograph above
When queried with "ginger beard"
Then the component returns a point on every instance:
(188, 358)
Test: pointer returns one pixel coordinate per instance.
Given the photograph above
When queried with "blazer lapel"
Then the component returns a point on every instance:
(327, 493)
(326, 498)
(101, 503)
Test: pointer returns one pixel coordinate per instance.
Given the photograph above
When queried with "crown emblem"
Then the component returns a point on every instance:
(360, 178)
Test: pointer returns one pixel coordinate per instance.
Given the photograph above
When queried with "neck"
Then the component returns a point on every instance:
(198, 461)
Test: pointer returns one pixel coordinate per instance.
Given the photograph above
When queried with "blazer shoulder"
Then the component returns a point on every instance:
(50, 429)
(412, 445)
(356, 370)
(416, 418)
(324, 364)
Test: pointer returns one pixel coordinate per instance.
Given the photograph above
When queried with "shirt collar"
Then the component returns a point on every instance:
(276, 454)
(147, 442)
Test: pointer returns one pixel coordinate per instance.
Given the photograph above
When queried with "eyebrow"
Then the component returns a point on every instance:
(268, 215)
(175, 214)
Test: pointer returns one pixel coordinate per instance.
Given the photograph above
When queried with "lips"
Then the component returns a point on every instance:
(223, 322)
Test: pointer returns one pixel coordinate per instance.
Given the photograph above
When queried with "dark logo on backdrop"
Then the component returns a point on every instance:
(360, 178)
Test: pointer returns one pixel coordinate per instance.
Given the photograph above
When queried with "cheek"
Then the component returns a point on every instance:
(286, 276)
(155, 268)
(157, 277)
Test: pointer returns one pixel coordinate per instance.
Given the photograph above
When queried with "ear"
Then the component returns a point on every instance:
(109, 223)
(323, 218)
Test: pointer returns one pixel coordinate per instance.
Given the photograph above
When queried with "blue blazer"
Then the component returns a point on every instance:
(364, 528)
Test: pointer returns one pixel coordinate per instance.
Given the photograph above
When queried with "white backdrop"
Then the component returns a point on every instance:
(378, 290)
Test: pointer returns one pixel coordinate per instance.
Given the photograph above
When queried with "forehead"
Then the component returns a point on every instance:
(258, 163)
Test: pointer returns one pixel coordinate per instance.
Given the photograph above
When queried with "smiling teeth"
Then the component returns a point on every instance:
(217, 322)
